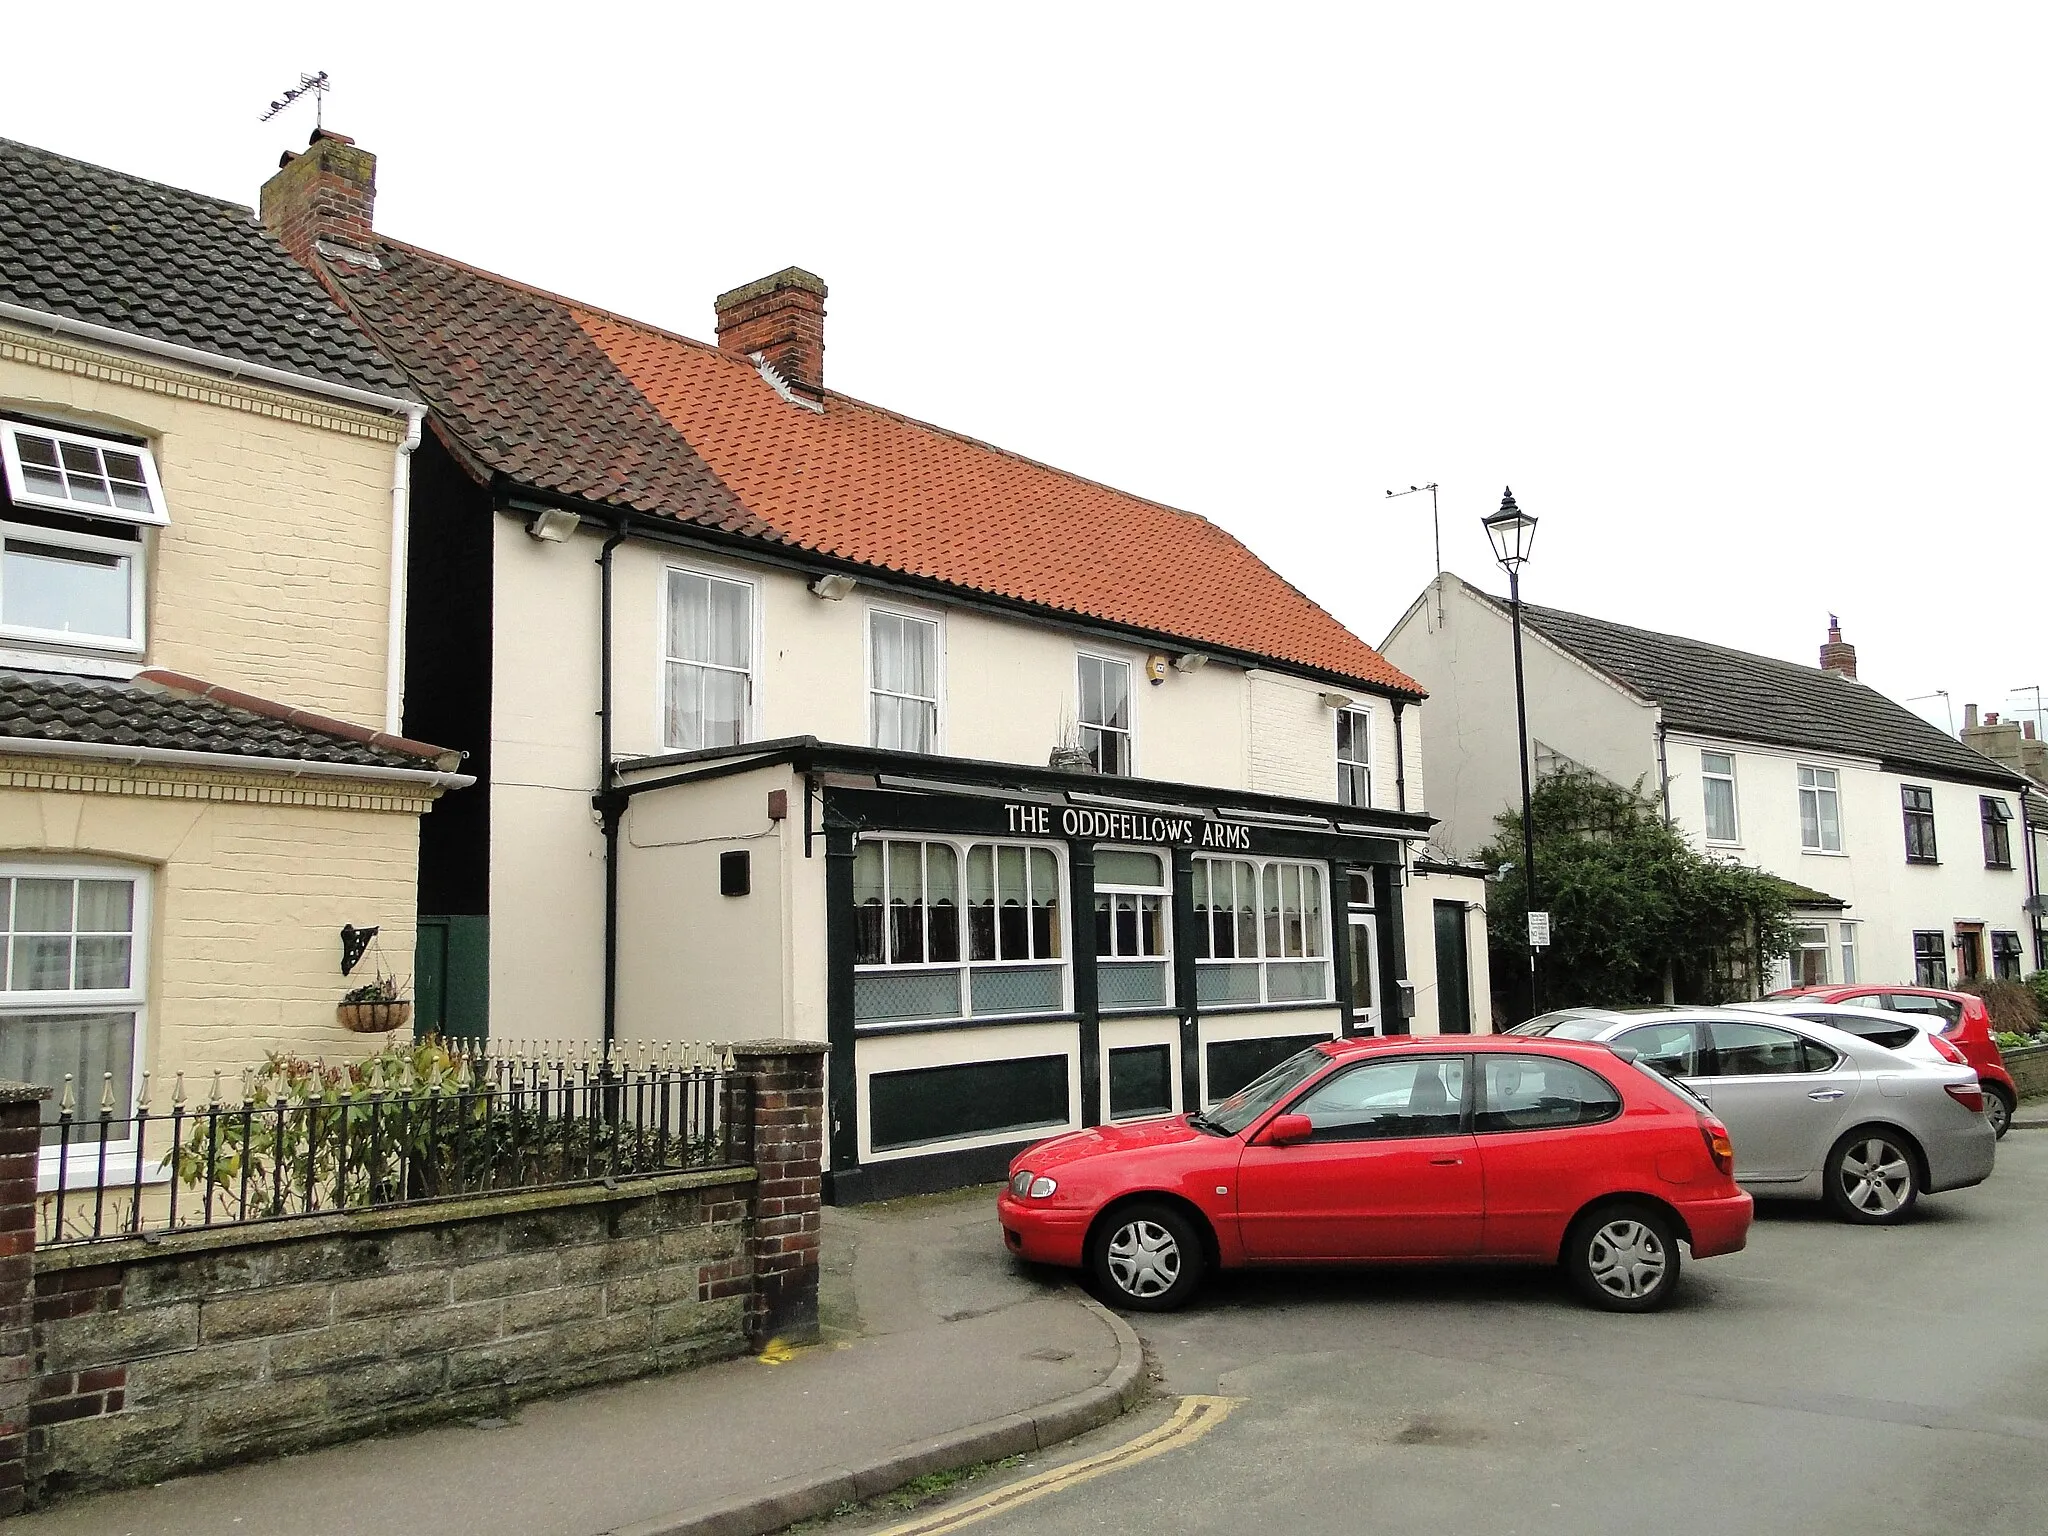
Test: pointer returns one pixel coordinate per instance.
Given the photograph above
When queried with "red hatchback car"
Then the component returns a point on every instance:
(1399, 1150)
(1957, 1017)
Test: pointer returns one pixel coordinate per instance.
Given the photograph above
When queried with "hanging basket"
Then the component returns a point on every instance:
(373, 1018)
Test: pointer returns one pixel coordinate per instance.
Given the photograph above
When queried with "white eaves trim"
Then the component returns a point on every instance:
(29, 746)
(215, 362)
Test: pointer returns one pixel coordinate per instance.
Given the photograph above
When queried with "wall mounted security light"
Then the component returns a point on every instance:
(833, 588)
(1190, 661)
(554, 525)
(1336, 700)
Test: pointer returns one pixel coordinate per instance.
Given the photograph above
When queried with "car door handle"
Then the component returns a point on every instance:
(1827, 1095)
(1446, 1162)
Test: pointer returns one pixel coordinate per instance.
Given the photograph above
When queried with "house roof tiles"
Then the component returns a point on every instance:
(91, 244)
(1715, 690)
(562, 397)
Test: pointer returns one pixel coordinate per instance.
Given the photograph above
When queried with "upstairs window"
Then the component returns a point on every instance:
(1106, 714)
(903, 681)
(1919, 806)
(1997, 831)
(71, 539)
(89, 476)
(710, 684)
(1820, 810)
(1354, 756)
(1717, 774)
(1930, 958)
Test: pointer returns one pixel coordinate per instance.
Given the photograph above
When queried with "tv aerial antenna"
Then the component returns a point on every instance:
(309, 85)
(1436, 529)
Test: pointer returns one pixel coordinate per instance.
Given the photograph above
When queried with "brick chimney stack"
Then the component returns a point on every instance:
(1837, 656)
(783, 318)
(323, 199)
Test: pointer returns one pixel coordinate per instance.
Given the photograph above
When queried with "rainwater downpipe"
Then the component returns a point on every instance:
(401, 525)
(1663, 774)
(1400, 763)
(610, 804)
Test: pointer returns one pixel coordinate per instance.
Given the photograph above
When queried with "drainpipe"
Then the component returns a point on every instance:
(401, 527)
(1663, 776)
(610, 804)
(1400, 763)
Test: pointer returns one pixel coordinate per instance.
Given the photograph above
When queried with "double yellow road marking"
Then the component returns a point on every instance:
(1192, 1419)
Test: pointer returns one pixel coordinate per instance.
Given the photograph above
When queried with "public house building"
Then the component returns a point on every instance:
(1043, 804)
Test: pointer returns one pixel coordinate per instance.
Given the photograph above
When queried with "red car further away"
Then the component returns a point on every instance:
(1396, 1150)
(1960, 1018)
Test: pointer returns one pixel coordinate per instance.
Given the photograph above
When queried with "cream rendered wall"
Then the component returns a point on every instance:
(695, 965)
(1887, 897)
(248, 898)
(1121, 1031)
(1418, 913)
(1469, 750)
(273, 575)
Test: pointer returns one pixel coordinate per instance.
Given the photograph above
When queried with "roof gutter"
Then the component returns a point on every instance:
(29, 746)
(215, 362)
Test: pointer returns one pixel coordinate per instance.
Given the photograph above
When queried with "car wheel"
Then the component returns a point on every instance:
(1871, 1178)
(1148, 1258)
(1998, 1110)
(1623, 1258)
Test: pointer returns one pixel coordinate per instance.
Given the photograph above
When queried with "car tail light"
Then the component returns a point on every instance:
(1969, 1095)
(1719, 1147)
(1950, 1050)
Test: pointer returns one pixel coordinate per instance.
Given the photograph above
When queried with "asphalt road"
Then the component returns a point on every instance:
(1828, 1379)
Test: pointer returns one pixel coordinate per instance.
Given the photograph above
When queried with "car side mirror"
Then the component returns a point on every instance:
(1286, 1130)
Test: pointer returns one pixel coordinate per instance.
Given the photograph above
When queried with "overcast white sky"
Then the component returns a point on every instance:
(1744, 301)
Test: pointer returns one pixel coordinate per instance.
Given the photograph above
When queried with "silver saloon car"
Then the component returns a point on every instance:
(1814, 1112)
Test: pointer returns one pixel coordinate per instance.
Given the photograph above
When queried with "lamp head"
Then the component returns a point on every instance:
(1511, 531)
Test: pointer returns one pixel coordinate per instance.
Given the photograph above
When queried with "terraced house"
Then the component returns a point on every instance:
(1042, 803)
(202, 779)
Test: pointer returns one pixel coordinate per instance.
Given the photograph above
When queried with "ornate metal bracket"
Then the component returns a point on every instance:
(353, 942)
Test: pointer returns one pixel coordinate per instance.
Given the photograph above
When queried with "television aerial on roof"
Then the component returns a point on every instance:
(309, 85)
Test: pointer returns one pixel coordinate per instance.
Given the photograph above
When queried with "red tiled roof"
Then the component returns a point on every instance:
(561, 396)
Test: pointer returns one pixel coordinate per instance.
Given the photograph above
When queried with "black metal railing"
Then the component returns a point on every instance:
(431, 1122)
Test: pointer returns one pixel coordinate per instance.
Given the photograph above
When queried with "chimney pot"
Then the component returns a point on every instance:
(2027, 729)
(1837, 655)
(1991, 719)
(781, 317)
(322, 199)
(1969, 717)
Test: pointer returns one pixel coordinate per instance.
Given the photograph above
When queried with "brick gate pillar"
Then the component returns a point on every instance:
(20, 1131)
(787, 1078)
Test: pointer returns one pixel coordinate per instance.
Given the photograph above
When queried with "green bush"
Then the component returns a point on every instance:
(2012, 1005)
(2038, 985)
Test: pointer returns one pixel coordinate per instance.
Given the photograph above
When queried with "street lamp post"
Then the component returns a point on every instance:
(1512, 531)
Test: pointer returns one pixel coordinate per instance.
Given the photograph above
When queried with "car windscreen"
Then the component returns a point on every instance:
(1263, 1092)
(1563, 1026)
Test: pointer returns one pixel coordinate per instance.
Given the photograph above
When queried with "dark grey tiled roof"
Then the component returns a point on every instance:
(92, 244)
(48, 706)
(1717, 691)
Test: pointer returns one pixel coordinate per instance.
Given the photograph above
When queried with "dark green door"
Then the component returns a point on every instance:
(452, 977)
(1453, 970)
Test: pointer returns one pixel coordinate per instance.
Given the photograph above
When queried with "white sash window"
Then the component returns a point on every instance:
(710, 682)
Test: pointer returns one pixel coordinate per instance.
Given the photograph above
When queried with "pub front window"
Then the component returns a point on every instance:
(1261, 932)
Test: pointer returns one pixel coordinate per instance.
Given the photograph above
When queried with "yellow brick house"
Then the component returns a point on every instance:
(202, 516)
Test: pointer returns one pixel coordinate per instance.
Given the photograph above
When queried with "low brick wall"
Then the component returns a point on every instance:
(2029, 1069)
(136, 1359)
(212, 1346)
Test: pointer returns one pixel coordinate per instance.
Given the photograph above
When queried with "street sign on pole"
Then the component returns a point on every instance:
(1539, 930)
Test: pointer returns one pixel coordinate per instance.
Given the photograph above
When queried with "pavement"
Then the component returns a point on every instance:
(938, 1352)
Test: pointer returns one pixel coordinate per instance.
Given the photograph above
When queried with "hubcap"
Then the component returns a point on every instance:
(1876, 1177)
(1144, 1260)
(1627, 1259)
(1994, 1106)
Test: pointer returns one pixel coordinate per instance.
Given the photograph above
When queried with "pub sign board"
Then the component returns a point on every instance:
(1000, 816)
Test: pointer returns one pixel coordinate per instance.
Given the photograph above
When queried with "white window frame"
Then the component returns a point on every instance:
(1817, 789)
(937, 621)
(1823, 947)
(1711, 775)
(1164, 959)
(1847, 951)
(17, 480)
(966, 967)
(1265, 961)
(1361, 730)
(80, 1170)
(1130, 731)
(750, 727)
(137, 552)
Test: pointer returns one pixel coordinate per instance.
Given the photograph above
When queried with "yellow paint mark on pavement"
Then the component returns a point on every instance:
(1192, 1419)
(777, 1353)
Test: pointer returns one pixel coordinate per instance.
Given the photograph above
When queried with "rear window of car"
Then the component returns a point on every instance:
(1673, 1085)
(1889, 1033)
(1531, 1093)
